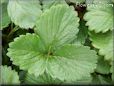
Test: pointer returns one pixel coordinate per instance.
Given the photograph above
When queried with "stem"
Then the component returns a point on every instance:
(13, 30)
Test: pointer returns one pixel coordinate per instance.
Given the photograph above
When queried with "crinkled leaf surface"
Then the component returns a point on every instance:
(103, 42)
(8, 76)
(103, 66)
(42, 79)
(99, 17)
(24, 13)
(77, 58)
(25, 52)
(57, 26)
(46, 4)
(4, 18)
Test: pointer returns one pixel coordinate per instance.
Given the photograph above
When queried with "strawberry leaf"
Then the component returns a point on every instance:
(99, 17)
(4, 18)
(36, 53)
(24, 13)
(8, 76)
(103, 42)
(57, 26)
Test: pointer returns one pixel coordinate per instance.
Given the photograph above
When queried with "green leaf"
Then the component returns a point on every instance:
(8, 76)
(42, 79)
(77, 58)
(103, 66)
(103, 42)
(24, 13)
(49, 3)
(25, 51)
(99, 17)
(57, 26)
(82, 34)
(72, 62)
(4, 18)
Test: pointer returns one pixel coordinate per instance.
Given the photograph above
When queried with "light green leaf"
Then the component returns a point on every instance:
(99, 17)
(42, 79)
(77, 58)
(4, 18)
(24, 13)
(25, 51)
(8, 76)
(57, 26)
(103, 66)
(46, 4)
(103, 42)
(71, 63)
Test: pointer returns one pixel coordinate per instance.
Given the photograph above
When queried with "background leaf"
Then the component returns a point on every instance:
(4, 18)
(103, 66)
(99, 17)
(24, 13)
(103, 42)
(8, 76)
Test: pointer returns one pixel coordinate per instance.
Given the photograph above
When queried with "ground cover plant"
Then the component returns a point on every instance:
(57, 42)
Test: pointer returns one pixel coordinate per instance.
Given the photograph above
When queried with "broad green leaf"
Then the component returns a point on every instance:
(82, 34)
(72, 63)
(57, 26)
(4, 18)
(46, 4)
(42, 79)
(8, 76)
(24, 13)
(103, 42)
(25, 52)
(103, 66)
(33, 59)
(99, 17)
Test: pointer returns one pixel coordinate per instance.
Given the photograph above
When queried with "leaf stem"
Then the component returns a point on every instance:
(13, 30)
